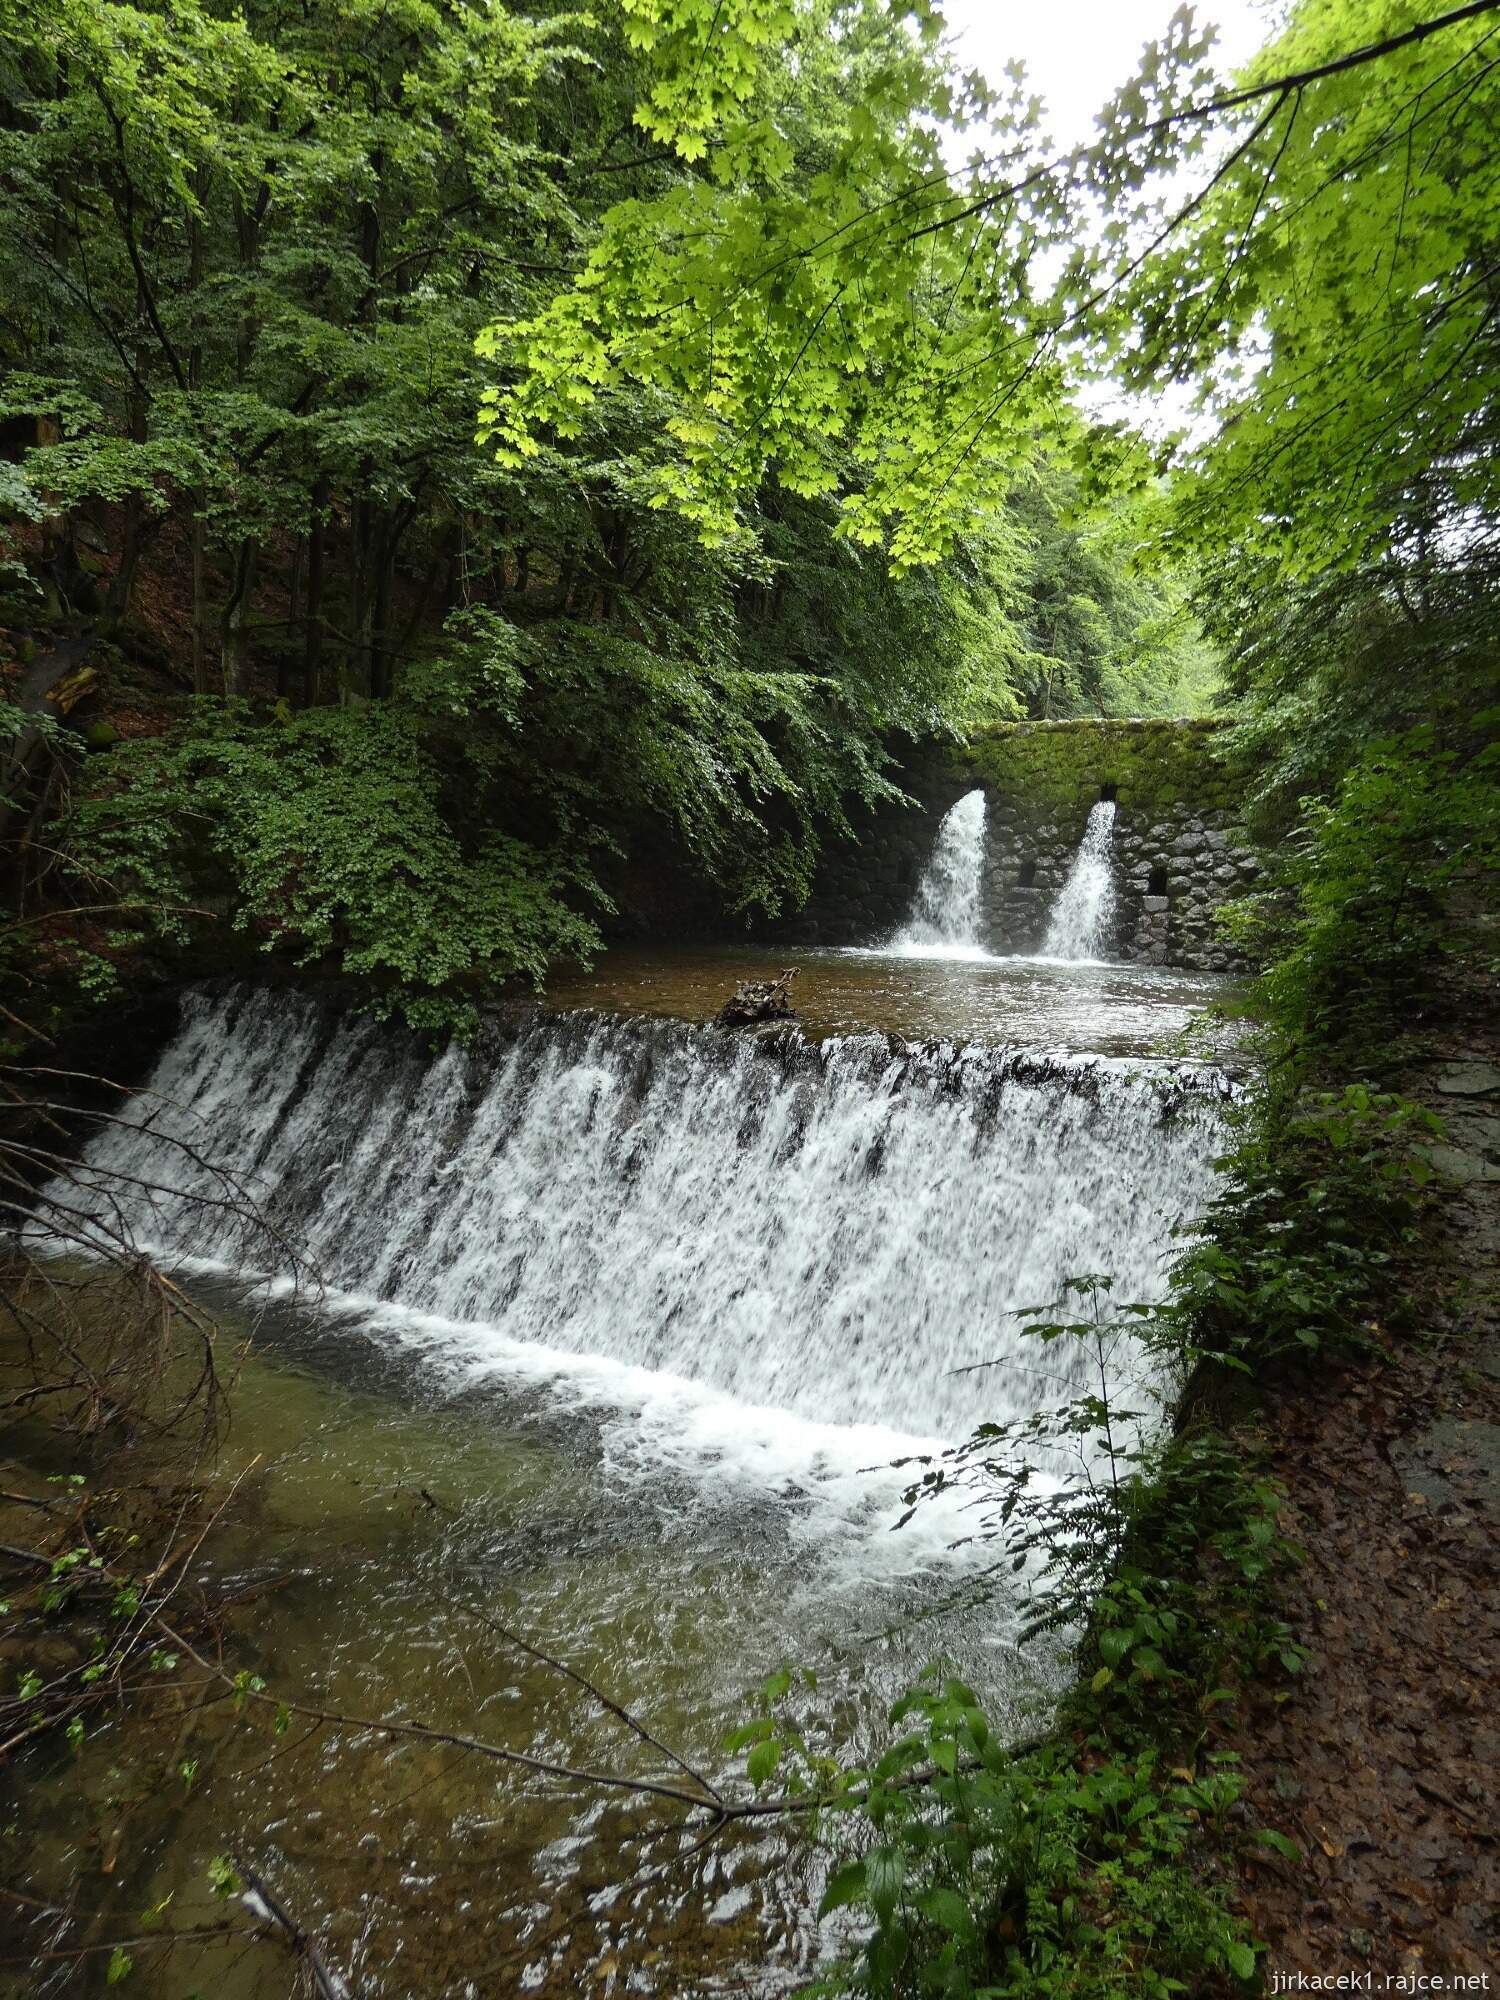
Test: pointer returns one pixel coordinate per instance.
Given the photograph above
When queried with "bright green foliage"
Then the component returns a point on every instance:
(1105, 634)
(247, 259)
(1029, 1877)
(1322, 1196)
(248, 256)
(1332, 299)
(1331, 296)
(1377, 889)
(706, 66)
(812, 297)
(328, 834)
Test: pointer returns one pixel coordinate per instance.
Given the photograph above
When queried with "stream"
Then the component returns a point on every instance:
(610, 1331)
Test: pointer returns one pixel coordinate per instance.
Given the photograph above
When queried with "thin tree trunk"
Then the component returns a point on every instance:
(236, 650)
(312, 643)
(199, 497)
(413, 623)
(357, 680)
(200, 599)
(122, 584)
(382, 564)
(293, 620)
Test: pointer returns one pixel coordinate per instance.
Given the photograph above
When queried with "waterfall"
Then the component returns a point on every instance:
(825, 1231)
(1083, 916)
(944, 913)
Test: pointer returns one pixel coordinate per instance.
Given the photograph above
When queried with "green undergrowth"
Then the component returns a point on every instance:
(1096, 1862)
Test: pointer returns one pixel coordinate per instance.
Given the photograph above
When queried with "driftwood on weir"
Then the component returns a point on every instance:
(759, 1000)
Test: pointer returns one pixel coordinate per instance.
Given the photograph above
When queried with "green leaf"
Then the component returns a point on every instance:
(1114, 1644)
(749, 1732)
(948, 1910)
(1241, 1960)
(762, 1761)
(223, 1876)
(846, 1885)
(1268, 1837)
(885, 1871)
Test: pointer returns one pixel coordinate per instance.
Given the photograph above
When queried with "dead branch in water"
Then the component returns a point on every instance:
(605, 1701)
(270, 1922)
(759, 1000)
(327, 1982)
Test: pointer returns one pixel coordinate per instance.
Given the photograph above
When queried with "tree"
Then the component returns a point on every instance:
(248, 257)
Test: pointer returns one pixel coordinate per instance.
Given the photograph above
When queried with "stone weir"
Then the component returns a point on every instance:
(1175, 853)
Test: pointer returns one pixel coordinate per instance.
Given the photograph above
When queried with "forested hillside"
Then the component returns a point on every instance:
(444, 704)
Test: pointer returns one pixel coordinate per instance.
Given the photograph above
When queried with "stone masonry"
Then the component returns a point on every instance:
(1176, 854)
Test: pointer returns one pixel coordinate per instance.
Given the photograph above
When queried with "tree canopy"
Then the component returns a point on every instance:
(248, 257)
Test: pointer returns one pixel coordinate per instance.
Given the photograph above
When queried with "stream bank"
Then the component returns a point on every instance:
(1382, 1764)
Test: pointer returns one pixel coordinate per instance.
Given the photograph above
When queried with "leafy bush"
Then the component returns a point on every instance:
(328, 836)
(1034, 1876)
(1321, 1195)
(1360, 910)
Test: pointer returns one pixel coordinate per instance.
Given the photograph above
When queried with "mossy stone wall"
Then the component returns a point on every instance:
(1176, 856)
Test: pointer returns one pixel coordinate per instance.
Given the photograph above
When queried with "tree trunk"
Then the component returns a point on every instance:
(200, 599)
(122, 584)
(236, 650)
(357, 679)
(199, 497)
(293, 620)
(312, 641)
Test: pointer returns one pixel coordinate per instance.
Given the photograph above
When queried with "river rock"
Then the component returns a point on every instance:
(1469, 1079)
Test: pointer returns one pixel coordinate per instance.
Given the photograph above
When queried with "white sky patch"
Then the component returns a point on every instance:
(1077, 54)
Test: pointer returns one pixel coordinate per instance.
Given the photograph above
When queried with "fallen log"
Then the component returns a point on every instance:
(51, 688)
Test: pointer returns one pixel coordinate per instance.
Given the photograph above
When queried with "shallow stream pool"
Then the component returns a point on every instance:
(608, 1335)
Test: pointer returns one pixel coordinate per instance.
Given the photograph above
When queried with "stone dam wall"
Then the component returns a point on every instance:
(1175, 853)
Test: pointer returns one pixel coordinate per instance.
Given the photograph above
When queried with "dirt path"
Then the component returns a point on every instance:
(1383, 1765)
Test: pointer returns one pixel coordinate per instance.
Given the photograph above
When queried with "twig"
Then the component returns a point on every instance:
(604, 1700)
(303, 1943)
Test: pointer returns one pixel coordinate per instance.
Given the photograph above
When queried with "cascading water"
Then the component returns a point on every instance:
(945, 914)
(1084, 913)
(644, 1312)
(827, 1231)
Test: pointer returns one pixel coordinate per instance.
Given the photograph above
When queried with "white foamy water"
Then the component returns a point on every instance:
(822, 1231)
(945, 911)
(1083, 916)
(837, 1488)
(749, 1262)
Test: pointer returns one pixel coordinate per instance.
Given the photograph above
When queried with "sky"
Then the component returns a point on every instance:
(1078, 52)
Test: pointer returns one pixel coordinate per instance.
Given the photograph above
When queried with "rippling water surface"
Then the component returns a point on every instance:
(609, 1336)
(963, 994)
